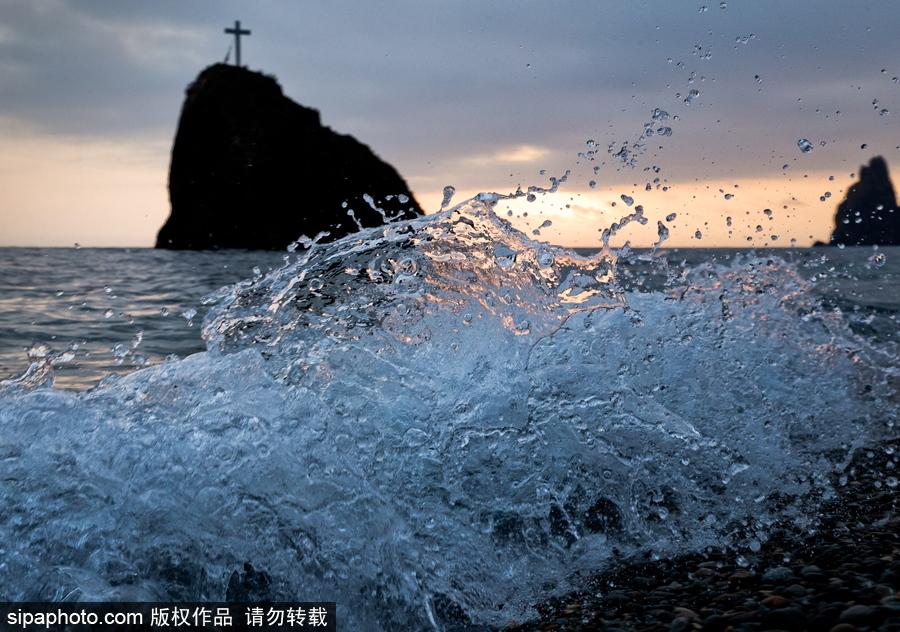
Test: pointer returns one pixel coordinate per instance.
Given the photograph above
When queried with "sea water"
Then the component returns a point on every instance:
(434, 423)
(122, 308)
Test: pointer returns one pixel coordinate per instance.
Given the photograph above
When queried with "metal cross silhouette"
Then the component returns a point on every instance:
(238, 31)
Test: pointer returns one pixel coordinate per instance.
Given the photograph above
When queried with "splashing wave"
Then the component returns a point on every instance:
(436, 422)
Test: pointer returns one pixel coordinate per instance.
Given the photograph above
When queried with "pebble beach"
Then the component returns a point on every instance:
(843, 578)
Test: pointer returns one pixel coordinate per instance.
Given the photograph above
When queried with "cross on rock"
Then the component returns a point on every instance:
(238, 31)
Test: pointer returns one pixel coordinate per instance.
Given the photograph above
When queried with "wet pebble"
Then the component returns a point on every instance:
(779, 574)
(715, 623)
(776, 601)
(857, 615)
(794, 590)
(680, 624)
(685, 613)
(790, 619)
(809, 569)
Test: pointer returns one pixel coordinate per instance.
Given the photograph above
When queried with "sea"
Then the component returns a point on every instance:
(435, 424)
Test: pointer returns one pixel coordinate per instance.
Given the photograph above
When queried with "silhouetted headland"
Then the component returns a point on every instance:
(869, 214)
(253, 169)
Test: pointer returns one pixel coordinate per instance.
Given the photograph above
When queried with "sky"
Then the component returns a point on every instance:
(481, 96)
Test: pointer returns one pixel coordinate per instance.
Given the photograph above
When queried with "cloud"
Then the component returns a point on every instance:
(486, 94)
(518, 154)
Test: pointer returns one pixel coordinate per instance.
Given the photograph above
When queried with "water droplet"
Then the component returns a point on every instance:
(891, 481)
(768, 212)
(164, 311)
(664, 131)
(627, 199)
(108, 313)
(257, 271)
(703, 8)
(822, 144)
(758, 80)
(591, 143)
(728, 196)
(659, 116)
(671, 217)
(662, 232)
(698, 235)
(530, 197)
(504, 257)
(722, 5)
(693, 94)
(864, 146)
(884, 112)
(592, 184)
(315, 285)
(448, 195)
(804, 145)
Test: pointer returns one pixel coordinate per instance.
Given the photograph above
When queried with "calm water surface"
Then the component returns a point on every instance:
(101, 298)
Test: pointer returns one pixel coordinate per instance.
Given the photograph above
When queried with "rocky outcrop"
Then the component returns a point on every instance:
(869, 214)
(253, 169)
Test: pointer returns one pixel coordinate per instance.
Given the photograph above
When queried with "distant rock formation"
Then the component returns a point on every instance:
(253, 169)
(869, 214)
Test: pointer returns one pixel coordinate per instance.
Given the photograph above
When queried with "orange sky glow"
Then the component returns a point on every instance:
(104, 194)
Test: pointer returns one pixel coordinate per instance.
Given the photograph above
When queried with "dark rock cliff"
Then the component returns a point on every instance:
(253, 169)
(869, 213)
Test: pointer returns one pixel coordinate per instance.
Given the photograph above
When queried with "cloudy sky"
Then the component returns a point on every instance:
(478, 95)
